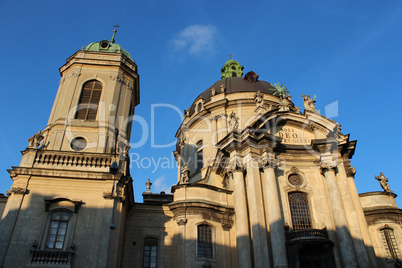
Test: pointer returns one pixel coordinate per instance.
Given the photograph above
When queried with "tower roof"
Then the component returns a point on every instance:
(231, 69)
(107, 46)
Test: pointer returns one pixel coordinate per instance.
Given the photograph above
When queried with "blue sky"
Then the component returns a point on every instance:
(348, 53)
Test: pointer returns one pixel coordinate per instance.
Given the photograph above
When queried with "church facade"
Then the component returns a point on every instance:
(260, 183)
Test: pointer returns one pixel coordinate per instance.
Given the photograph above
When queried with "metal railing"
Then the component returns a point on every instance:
(51, 257)
(307, 234)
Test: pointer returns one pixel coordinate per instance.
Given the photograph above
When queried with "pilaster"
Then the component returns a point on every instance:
(274, 216)
(256, 212)
(350, 173)
(338, 210)
(242, 226)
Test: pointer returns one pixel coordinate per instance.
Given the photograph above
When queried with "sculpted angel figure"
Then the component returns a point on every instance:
(309, 103)
(233, 121)
(259, 99)
(185, 173)
(383, 182)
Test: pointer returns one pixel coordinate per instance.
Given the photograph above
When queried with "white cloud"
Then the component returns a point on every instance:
(195, 40)
(160, 185)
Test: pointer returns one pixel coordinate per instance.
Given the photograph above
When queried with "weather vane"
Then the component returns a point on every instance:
(116, 26)
(230, 56)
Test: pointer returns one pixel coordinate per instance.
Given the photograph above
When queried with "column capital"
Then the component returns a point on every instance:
(182, 221)
(268, 162)
(328, 165)
(215, 117)
(235, 166)
(17, 190)
(351, 171)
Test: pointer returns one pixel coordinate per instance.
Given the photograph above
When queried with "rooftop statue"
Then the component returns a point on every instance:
(383, 182)
(35, 140)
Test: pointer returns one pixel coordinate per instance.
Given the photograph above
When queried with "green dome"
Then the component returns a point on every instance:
(231, 69)
(107, 46)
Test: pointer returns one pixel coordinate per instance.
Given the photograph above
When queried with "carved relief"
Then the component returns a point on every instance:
(74, 73)
(350, 172)
(319, 128)
(181, 221)
(226, 226)
(268, 162)
(235, 165)
(328, 165)
(185, 173)
(17, 190)
(109, 195)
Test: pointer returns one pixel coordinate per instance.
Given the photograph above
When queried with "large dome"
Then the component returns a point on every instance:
(235, 85)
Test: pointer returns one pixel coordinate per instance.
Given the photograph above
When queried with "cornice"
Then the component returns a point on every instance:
(61, 173)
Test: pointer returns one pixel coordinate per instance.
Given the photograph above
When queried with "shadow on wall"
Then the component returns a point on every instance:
(41, 231)
(217, 247)
(67, 236)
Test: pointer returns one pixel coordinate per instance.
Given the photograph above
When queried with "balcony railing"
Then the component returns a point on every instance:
(60, 160)
(51, 257)
(307, 234)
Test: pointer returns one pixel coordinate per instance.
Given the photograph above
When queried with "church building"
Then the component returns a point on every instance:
(260, 182)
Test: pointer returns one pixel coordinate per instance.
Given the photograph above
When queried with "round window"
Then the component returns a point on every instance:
(78, 144)
(295, 180)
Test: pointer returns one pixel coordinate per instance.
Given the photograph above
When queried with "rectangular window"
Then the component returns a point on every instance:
(150, 252)
(204, 241)
(57, 230)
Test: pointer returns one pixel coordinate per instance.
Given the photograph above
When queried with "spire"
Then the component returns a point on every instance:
(114, 34)
(231, 69)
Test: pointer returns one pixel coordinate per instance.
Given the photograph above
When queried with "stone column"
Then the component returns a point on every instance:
(256, 212)
(338, 210)
(181, 246)
(351, 215)
(350, 173)
(242, 227)
(275, 219)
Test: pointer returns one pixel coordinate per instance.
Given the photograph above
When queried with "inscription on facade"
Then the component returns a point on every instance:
(294, 136)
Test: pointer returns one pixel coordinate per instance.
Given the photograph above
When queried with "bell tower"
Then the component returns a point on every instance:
(99, 89)
(72, 190)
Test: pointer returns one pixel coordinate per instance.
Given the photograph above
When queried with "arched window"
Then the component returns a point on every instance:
(200, 157)
(57, 231)
(204, 241)
(199, 107)
(150, 252)
(390, 245)
(89, 100)
(299, 210)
